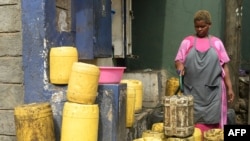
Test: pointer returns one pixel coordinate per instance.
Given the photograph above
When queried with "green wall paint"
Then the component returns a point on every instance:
(148, 33)
(160, 25)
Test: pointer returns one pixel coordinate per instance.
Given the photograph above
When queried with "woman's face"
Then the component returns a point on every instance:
(201, 28)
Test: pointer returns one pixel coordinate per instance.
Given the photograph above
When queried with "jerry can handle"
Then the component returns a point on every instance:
(180, 88)
(180, 82)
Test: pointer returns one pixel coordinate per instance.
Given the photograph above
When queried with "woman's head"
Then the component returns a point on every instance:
(202, 23)
(203, 15)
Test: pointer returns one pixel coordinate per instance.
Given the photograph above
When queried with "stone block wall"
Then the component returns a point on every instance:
(241, 106)
(11, 76)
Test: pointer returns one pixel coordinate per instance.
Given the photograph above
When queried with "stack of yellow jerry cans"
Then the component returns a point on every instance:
(80, 115)
(34, 121)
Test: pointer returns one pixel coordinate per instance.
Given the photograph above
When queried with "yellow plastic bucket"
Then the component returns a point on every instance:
(137, 85)
(80, 122)
(34, 122)
(130, 107)
(83, 83)
(60, 63)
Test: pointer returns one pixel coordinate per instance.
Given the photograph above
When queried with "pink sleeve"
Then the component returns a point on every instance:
(222, 53)
(185, 45)
(224, 58)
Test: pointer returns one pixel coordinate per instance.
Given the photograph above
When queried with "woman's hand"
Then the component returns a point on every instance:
(227, 79)
(230, 96)
(179, 67)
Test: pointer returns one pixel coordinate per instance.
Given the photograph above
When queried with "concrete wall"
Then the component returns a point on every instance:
(11, 76)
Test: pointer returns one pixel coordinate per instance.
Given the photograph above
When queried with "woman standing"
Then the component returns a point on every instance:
(202, 60)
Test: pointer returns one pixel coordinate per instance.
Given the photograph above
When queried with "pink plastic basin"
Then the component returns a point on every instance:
(111, 75)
